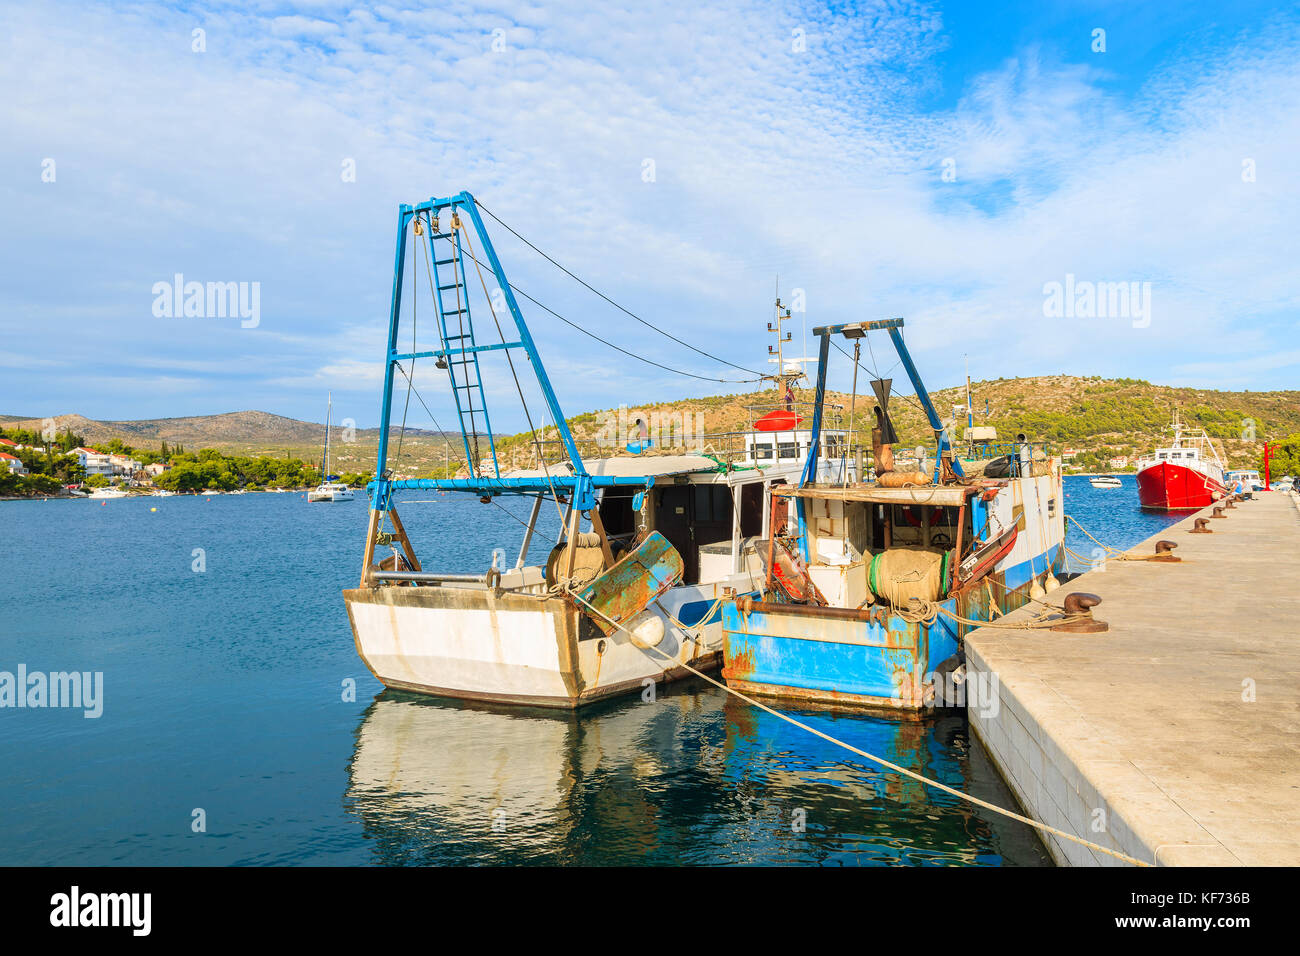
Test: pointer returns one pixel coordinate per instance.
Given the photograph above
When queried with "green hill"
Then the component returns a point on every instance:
(1091, 420)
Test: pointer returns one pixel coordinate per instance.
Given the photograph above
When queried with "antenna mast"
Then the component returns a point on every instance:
(784, 378)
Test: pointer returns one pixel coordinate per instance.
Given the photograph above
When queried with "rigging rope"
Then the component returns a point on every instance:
(602, 295)
(639, 358)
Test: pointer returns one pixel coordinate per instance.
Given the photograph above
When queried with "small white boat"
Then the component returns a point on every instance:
(1105, 481)
(107, 493)
(331, 491)
(330, 488)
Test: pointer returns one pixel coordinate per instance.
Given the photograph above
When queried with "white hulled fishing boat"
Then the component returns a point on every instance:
(648, 547)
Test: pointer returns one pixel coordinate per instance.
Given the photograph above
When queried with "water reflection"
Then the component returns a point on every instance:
(696, 777)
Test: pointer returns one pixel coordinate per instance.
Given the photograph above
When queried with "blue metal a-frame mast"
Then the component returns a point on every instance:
(459, 353)
(857, 330)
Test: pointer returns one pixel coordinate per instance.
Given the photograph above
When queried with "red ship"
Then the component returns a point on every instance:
(1185, 476)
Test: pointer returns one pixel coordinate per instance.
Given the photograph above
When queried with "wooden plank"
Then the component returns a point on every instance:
(571, 548)
(949, 497)
(400, 530)
(599, 527)
(371, 527)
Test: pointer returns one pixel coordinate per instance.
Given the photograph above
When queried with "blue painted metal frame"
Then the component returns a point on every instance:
(893, 327)
(580, 484)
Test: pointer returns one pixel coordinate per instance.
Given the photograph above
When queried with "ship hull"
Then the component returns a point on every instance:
(1169, 487)
(524, 649)
(850, 655)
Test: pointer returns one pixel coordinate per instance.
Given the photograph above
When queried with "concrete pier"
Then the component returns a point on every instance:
(1175, 736)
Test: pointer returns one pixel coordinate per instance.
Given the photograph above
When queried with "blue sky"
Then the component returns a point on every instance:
(801, 139)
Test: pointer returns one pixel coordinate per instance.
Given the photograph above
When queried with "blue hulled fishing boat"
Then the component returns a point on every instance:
(870, 586)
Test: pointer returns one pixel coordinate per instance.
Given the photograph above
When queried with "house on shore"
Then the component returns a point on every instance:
(14, 466)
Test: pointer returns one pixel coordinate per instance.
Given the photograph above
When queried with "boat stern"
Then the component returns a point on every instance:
(870, 657)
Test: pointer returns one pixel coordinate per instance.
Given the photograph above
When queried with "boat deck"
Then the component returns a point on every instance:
(1148, 723)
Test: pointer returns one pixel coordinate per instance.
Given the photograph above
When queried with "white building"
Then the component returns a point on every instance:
(154, 470)
(13, 464)
(93, 462)
(123, 465)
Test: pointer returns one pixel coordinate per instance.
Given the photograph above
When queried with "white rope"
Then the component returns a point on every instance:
(872, 757)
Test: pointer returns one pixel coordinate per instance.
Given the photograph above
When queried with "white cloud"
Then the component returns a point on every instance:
(819, 166)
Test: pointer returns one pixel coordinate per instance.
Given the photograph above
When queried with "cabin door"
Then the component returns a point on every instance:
(673, 521)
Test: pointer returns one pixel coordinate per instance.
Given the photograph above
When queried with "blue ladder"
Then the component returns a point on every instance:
(459, 352)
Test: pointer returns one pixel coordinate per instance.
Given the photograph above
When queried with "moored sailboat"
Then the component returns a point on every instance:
(330, 488)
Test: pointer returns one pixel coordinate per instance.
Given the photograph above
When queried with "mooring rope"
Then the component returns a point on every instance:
(888, 765)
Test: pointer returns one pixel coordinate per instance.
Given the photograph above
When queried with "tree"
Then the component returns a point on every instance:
(38, 485)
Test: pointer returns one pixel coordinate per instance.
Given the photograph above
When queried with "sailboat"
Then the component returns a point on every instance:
(330, 488)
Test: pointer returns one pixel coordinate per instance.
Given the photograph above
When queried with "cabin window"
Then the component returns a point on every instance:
(762, 452)
(616, 512)
(832, 446)
(1176, 454)
(788, 449)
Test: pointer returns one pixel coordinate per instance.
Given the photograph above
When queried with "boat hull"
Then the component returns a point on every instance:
(1169, 487)
(518, 648)
(857, 659)
(856, 653)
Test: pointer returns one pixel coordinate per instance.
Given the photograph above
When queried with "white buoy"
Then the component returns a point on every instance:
(646, 629)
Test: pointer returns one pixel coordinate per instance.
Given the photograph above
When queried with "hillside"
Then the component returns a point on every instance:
(245, 433)
(1095, 418)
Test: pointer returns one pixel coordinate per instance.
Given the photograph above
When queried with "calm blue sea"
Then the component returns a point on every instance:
(225, 651)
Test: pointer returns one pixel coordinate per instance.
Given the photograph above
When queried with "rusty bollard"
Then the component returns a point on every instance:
(1164, 551)
(1218, 512)
(1079, 606)
(1231, 499)
(1202, 527)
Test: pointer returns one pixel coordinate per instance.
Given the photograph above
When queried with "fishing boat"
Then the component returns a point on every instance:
(628, 594)
(1186, 475)
(330, 488)
(1105, 481)
(870, 586)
